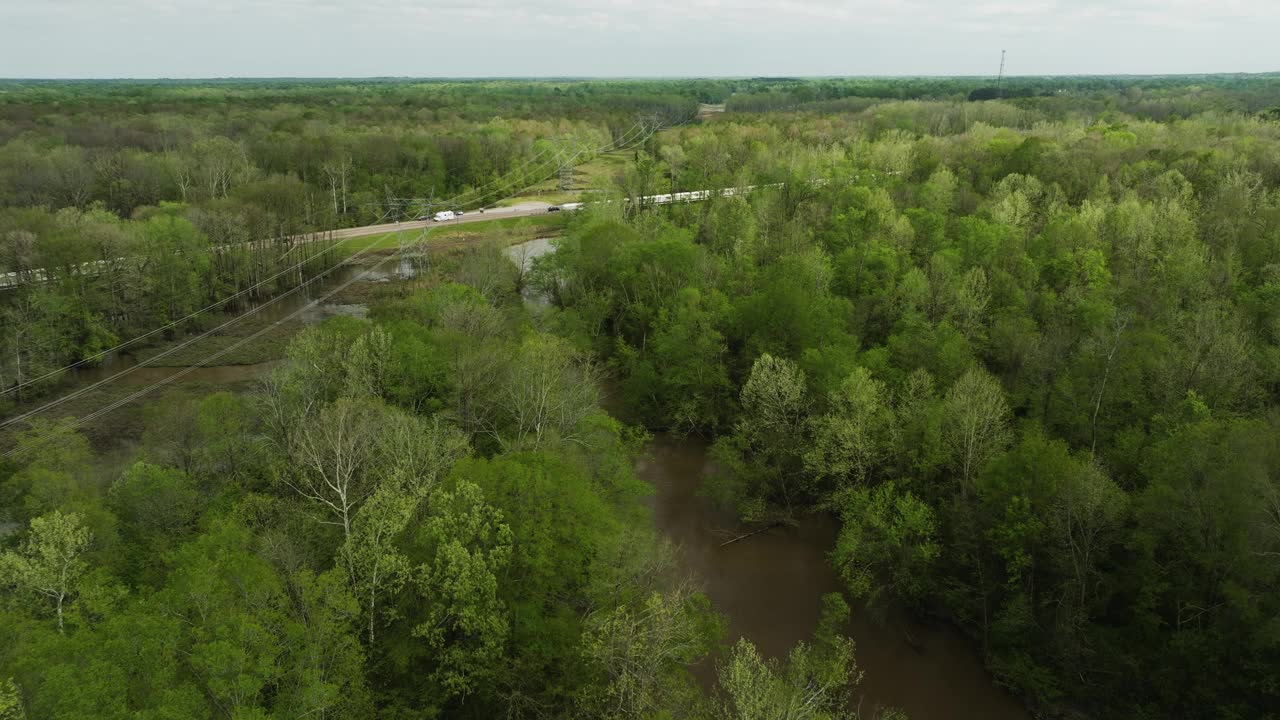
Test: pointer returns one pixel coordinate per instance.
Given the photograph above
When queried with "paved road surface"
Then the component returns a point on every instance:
(525, 209)
(515, 211)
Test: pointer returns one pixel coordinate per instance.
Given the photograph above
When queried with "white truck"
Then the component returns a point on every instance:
(444, 216)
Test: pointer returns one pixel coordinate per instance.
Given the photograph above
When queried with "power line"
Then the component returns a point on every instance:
(619, 144)
(638, 124)
(504, 187)
(81, 391)
(1000, 78)
(192, 368)
(186, 343)
(190, 316)
(510, 180)
(170, 325)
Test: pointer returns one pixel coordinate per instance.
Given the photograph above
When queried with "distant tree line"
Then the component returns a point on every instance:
(1033, 366)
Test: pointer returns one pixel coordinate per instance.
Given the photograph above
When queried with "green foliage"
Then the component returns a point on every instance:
(815, 682)
(54, 463)
(48, 569)
(976, 335)
(643, 654)
(888, 543)
(851, 440)
(766, 445)
(226, 428)
(10, 702)
(555, 509)
(688, 346)
(465, 546)
(793, 309)
(540, 396)
(975, 421)
(1026, 347)
(157, 508)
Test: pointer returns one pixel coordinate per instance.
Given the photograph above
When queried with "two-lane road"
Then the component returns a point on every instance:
(526, 209)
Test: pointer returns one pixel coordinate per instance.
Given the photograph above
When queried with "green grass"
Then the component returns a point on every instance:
(596, 174)
(551, 197)
(389, 241)
(511, 230)
(270, 345)
(125, 424)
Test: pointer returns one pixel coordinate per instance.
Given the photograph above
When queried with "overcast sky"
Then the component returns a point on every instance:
(360, 38)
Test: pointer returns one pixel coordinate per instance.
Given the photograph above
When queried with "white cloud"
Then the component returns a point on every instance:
(631, 37)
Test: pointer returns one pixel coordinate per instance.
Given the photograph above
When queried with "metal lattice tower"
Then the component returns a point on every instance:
(1000, 78)
(566, 176)
(565, 172)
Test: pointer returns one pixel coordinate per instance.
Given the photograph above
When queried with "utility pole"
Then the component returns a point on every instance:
(1000, 78)
(399, 238)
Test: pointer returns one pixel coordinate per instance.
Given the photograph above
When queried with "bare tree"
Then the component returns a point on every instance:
(18, 255)
(976, 422)
(1122, 323)
(543, 393)
(418, 454)
(1267, 526)
(773, 398)
(1088, 505)
(222, 163)
(641, 652)
(336, 451)
(338, 171)
(49, 564)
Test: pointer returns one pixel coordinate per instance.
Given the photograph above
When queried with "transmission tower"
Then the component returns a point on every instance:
(566, 176)
(1000, 78)
(565, 172)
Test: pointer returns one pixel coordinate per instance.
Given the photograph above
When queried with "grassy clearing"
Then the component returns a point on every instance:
(596, 174)
(122, 428)
(509, 230)
(124, 425)
(270, 345)
(371, 293)
(551, 197)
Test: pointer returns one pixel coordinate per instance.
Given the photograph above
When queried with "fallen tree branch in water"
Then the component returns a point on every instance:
(770, 526)
(911, 640)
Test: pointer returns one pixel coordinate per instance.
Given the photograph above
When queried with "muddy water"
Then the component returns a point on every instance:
(523, 254)
(770, 588)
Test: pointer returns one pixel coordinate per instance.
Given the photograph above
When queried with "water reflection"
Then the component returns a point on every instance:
(523, 254)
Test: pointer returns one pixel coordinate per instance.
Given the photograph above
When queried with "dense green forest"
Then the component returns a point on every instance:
(147, 179)
(1026, 350)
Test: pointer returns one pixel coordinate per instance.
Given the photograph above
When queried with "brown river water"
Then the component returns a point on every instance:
(770, 588)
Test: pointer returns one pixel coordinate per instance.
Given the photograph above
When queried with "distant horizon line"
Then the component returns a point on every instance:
(553, 78)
